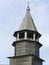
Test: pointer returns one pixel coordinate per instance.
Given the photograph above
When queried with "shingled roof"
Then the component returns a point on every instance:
(28, 22)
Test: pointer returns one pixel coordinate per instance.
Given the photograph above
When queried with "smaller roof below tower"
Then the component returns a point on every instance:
(28, 22)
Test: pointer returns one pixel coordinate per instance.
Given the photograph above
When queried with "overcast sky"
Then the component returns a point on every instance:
(11, 16)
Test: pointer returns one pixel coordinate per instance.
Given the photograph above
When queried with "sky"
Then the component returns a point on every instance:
(11, 16)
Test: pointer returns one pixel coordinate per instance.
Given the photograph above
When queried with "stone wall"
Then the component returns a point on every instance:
(26, 47)
(36, 62)
(21, 61)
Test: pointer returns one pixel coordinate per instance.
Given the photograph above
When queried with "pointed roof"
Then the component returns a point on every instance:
(28, 22)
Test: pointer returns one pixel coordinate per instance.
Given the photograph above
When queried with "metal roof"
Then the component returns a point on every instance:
(28, 22)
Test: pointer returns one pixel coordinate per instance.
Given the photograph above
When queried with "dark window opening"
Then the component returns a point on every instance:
(29, 35)
(36, 37)
(21, 35)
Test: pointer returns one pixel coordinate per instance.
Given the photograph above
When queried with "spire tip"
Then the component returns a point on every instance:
(28, 9)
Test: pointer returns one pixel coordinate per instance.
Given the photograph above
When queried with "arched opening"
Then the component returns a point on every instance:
(21, 35)
(30, 35)
(36, 38)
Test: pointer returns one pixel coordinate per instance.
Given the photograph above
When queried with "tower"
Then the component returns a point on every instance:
(27, 43)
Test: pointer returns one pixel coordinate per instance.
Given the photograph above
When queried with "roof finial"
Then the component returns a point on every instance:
(28, 9)
(28, 3)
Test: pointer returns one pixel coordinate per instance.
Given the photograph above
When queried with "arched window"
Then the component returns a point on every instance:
(21, 35)
(36, 38)
(30, 35)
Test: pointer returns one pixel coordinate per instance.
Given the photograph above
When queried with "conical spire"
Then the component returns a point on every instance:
(28, 22)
